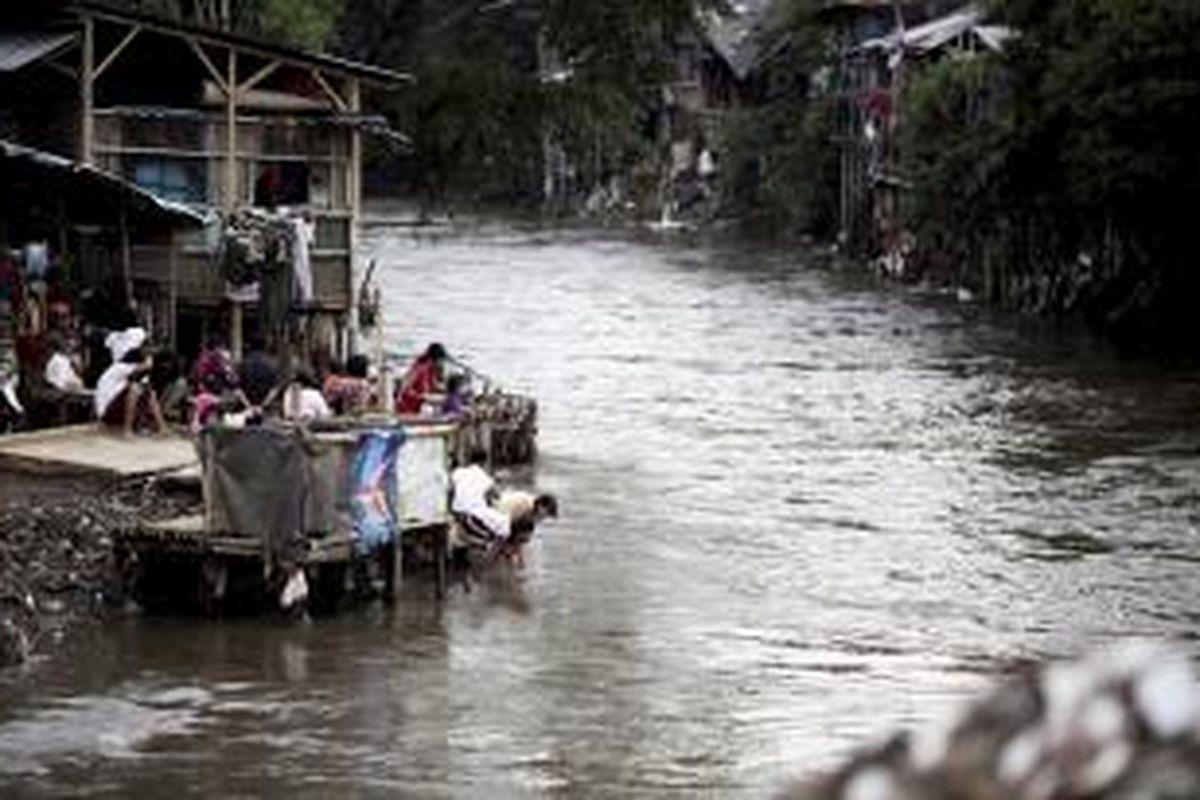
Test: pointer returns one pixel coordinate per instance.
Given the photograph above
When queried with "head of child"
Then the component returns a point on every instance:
(545, 505)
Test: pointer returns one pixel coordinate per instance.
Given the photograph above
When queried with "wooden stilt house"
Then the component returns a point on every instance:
(218, 121)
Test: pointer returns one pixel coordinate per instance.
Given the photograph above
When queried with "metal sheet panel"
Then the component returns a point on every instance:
(21, 48)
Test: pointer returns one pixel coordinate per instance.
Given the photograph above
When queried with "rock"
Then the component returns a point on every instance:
(1117, 725)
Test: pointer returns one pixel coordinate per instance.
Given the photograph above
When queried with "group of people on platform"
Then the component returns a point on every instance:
(137, 392)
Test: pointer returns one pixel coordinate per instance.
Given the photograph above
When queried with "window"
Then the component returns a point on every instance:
(172, 178)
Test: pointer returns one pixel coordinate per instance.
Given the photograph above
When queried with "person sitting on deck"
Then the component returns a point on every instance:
(259, 378)
(424, 377)
(217, 403)
(170, 380)
(124, 398)
(214, 360)
(458, 400)
(303, 401)
(60, 373)
(349, 392)
(473, 494)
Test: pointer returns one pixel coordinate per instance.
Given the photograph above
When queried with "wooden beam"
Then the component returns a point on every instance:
(329, 90)
(297, 60)
(231, 187)
(87, 123)
(354, 186)
(231, 193)
(208, 64)
(173, 291)
(126, 256)
(259, 77)
(116, 51)
(63, 69)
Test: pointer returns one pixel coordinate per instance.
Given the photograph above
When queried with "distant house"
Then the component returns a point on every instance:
(206, 118)
(879, 39)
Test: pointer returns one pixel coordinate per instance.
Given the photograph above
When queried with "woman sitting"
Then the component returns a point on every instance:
(303, 401)
(423, 378)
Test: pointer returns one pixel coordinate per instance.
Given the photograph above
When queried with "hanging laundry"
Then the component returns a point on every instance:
(302, 239)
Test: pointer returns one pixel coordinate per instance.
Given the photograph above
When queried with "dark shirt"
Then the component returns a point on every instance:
(258, 375)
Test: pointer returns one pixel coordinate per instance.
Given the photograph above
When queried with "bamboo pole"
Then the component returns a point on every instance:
(231, 185)
(173, 291)
(126, 255)
(354, 181)
(86, 88)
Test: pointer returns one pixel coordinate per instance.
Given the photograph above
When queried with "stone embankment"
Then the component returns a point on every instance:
(1121, 725)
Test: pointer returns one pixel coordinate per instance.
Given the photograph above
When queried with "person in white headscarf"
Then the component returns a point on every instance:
(124, 396)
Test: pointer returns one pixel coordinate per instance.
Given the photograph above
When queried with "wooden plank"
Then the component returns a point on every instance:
(91, 450)
(208, 64)
(87, 130)
(116, 51)
(258, 77)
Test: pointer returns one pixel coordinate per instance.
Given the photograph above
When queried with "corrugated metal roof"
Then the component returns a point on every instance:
(735, 32)
(20, 48)
(81, 181)
(938, 33)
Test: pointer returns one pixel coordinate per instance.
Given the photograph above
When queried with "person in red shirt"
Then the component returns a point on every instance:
(423, 377)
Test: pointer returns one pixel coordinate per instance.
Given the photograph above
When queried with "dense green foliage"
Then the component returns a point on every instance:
(1077, 177)
(781, 164)
(498, 82)
(305, 23)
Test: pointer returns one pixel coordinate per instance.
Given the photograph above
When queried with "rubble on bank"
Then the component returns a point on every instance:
(1119, 725)
(56, 555)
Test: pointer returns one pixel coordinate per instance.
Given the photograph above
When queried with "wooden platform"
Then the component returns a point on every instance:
(90, 451)
(186, 535)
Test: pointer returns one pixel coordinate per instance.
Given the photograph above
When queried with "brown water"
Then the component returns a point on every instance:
(799, 510)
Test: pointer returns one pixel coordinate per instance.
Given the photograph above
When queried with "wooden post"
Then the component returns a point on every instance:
(231, 181)
(173, 292)
(441, 546)
(126, 256)
(231, 185)
(87, 119)
(354, 181)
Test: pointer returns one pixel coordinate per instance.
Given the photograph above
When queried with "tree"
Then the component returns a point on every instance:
(495, 78)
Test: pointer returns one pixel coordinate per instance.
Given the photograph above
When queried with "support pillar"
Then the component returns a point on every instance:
(87, 121)
(236, 341)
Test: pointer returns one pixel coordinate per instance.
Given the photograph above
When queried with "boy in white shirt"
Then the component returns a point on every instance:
(473, 494)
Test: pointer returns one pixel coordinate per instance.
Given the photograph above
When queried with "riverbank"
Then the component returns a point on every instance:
(56, 559)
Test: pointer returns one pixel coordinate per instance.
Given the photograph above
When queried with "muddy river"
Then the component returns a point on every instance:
(799, 510)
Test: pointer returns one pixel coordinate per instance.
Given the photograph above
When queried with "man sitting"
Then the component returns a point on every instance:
(60, 371)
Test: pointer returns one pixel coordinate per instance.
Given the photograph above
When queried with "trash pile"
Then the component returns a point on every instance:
(1118, 725)
(56, 558)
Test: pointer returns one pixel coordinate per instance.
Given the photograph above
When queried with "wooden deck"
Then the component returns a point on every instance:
(188, 535)
(90, 451)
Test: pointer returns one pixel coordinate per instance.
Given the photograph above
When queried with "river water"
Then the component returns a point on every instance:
(800, 510)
